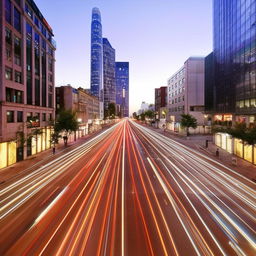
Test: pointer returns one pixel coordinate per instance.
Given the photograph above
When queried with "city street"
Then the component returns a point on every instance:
(129, 191)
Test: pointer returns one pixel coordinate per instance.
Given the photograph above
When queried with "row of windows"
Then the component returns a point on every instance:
(173, 101)
(13, 95)
(177, 109)
(250, 103)
(9, 46)
(9, 75)
(10, 116)
(177, 92)
(175, 77)
(176, 85)
(14, 19)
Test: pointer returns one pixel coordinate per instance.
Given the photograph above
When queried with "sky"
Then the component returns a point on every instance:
(155, 36)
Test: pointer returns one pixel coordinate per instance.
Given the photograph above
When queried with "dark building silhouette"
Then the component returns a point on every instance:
(122, 88)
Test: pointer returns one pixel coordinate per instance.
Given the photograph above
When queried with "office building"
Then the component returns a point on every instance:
(85, 106)
(234, 65)
(186, 92)
(235, 61)
(109, 77)
(27, 73)
(122, 88)
(97, 58)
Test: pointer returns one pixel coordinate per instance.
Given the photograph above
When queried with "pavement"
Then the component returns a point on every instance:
(129, 190)
(33, 162)
(198, 142)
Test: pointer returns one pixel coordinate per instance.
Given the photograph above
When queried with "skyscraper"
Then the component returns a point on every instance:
(109, 78)
(96, 54)
(235, 60)
(122, 87)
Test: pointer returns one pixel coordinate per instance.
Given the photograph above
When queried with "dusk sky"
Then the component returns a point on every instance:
(155, 36)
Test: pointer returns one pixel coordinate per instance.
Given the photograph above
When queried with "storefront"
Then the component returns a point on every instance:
(224, 141)
(11, 152)
(240, 149)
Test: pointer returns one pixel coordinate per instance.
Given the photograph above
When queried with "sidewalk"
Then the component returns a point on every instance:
(197, 142)
(40, 159)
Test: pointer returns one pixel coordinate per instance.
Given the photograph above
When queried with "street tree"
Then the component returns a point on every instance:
(188, 121)
(66, 123)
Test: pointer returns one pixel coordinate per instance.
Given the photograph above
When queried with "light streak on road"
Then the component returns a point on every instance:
(128, 191)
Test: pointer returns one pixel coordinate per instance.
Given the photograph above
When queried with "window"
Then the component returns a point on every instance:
(37, 38)
(8, 73)
(50, 100)
(29, 29)
(43, 30)
(8, 36)
(28, 11)
(19, 96)
(50, 117)
(10, 116)
(17, 45)
(50, 65)
(8, 94)
(18, 78)
(44, 117)
(36, 21)
(50, 78)
(8, 11)
(17, 51)
(17, 20)
(8, 53)
(20, 116)
(37, 92)
(17, 60)
(43, 44)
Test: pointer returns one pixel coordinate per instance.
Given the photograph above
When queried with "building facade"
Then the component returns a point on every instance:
(186, 92)
(122, 88)
(234, 67)
(85, 105)
(109, 75)
(209, 84)
(27, 68)
(97, 58)
(160, 98)
(235, 61)
(96, 53)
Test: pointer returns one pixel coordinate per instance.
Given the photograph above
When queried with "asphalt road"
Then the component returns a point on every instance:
(129, 191)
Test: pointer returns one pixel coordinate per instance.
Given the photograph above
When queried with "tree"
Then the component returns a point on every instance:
(239, 131)
(188, 121)
(112, 110)
(135, 116)
(67, 123)
(149, 114)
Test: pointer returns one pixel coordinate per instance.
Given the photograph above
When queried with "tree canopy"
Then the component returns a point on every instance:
(66, 122)
(239, 131)
(188, 121)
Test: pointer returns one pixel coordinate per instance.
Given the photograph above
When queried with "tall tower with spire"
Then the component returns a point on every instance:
(96, 56)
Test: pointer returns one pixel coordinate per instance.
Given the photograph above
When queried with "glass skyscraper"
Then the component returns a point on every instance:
(122, 87)
(235, 58)
(109, 78)
(96, 54)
